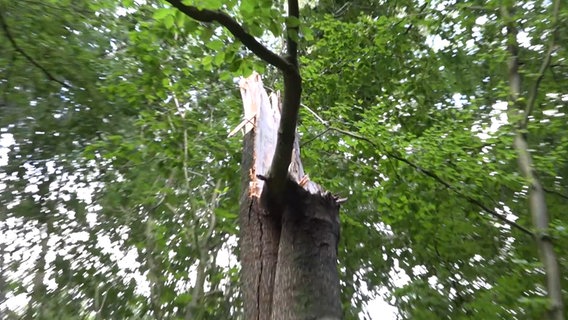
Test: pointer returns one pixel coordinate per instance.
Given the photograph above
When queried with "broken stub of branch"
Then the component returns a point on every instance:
(262, 113)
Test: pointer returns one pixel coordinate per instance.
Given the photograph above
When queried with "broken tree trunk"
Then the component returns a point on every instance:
(288, 247)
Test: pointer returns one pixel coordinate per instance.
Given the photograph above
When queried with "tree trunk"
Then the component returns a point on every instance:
(3, 284)
(539, 214)
(537, 199)
(288, 247)
(307, 280)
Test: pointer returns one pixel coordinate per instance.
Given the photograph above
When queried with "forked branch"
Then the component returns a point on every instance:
(237, 30)
(292, 81)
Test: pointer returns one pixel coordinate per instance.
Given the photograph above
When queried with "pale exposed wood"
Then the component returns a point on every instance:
(262, 113)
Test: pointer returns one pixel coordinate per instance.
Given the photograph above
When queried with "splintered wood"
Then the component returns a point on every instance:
(262, 116)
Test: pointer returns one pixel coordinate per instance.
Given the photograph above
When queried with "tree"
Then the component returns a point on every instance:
(289, 239)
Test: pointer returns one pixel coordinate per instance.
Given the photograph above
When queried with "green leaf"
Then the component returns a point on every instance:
(292, 22)
(183, 299)
(219, 58)
(307, 33)
(223, 213)
(169, 21)
(162, 13)
(248, 7)
(215, 45)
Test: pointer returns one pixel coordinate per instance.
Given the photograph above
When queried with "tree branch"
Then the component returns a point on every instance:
(426, 172)
(236, 30)
(292, 46)
(290, 109)
(545, 64)
(28, 57)
(439, 180)
(278, 171)
(286, 132)
(555, 193)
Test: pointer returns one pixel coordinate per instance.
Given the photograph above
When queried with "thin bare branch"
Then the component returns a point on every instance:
(555, 193)
(545, 63)
(315, 115)
(439, 180)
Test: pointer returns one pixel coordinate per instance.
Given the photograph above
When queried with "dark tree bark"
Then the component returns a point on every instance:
(289, 252)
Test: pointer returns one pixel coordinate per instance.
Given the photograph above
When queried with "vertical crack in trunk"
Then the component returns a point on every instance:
(260, 268)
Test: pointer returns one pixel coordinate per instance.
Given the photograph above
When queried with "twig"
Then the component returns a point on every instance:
(315, 137)
(545, 64)
(555, 193)
(315, 115)
(28, 57)
(339, 12)
(419, 13)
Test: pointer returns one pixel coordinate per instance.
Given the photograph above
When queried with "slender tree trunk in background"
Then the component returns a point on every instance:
(3, 289)
(38, 287)
(306, 284)
(204, 244)
(288, 249)
(154, 269)
(537, 199)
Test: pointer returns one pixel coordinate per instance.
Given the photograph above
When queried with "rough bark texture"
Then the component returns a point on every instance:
(258, 243)
(306, 284)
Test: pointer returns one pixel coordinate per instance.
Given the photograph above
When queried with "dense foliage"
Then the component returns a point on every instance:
(119, 183)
